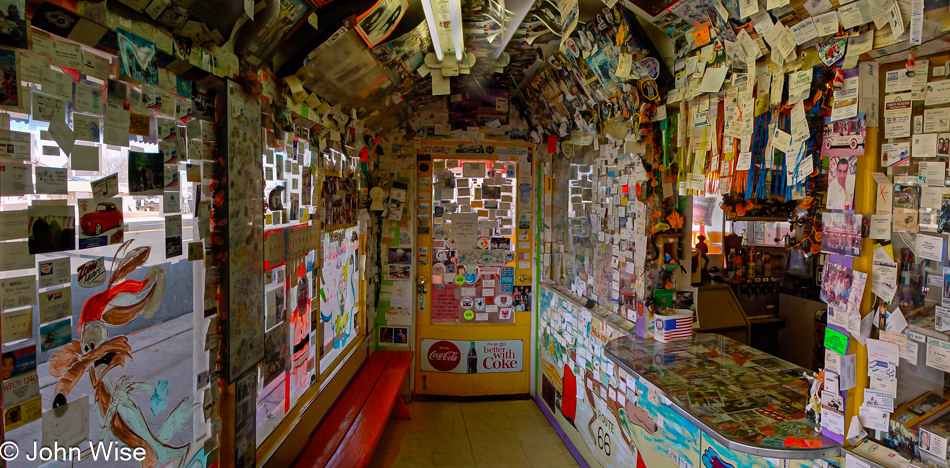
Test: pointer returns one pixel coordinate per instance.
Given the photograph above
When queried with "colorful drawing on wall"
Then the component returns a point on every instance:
(123, 301)
(339, 293)
(137, 60)
(301, 354)
(340, 201)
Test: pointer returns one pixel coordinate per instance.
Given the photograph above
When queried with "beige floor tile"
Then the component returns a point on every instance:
(487, 421)
(482, 407)
(412, 460)
(486, 441)
(538, 436)
(435, 442)
(551, 456)
(454, 460)
(383, 457)
(513, 458)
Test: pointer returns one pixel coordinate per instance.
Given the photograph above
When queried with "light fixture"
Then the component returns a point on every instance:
(455, 8)
(433, 28)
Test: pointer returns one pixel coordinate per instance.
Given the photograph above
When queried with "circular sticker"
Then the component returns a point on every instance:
(438, 269)
(482, 243)
(504, 300)
(471, 278)
(467, 302)
(468, 315)
(652, 67)
(441, 255)
(440, 233)
(459, 280)
(572, 48)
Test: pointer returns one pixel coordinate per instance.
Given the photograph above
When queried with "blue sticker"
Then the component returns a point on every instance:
(470, 278)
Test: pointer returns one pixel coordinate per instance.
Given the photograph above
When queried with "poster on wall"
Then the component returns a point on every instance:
(339, 293)
(472, 357)
(378, 22)
(246, 249)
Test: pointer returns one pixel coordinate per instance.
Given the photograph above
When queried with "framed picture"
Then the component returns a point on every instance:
(10, 86)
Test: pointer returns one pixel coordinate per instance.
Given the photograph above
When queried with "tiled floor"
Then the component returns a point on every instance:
(507, 434)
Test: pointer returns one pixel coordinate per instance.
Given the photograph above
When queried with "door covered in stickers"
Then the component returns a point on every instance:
(475, 289)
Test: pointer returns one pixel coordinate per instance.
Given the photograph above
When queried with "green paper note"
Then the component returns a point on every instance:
(836, 341)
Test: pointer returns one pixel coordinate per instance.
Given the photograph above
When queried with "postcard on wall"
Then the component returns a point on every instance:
(17, 292)
(15, 179)
(16, 325)
(10, 99)
(52, 272)
(100, 222)
(146, 173)
(52, 228)
(173, 236)
(55, 334)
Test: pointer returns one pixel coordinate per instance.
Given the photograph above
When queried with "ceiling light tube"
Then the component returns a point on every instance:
(433, 28)
(455, 8)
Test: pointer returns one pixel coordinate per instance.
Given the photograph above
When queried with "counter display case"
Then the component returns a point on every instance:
(747, 400)
(707, 402)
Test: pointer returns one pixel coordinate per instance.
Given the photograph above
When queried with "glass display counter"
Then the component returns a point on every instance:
(624, 401)
(748, 401)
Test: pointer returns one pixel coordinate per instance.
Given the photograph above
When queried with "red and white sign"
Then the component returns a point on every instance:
(472, 357)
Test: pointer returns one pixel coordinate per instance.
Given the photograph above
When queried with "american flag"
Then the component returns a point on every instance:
(673, 327)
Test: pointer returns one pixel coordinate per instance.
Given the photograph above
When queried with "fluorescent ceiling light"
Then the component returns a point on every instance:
(456, 9)
(433, 28)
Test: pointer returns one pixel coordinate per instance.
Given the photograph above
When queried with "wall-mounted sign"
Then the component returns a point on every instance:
(472, 357)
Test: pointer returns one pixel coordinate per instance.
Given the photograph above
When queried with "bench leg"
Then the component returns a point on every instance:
(400, 411)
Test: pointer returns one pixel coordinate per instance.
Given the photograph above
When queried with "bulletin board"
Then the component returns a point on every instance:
(473, 228)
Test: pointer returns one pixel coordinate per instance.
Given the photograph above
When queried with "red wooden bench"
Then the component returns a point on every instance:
(349, 433)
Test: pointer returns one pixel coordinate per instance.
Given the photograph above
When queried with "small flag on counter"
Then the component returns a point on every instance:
(676, 326)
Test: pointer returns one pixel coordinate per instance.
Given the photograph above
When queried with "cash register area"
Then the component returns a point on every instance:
(475, 233)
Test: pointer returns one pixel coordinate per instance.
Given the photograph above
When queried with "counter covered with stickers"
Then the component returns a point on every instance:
(707, 401)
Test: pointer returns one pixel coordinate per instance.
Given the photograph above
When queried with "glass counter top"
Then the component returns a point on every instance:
(749, 401)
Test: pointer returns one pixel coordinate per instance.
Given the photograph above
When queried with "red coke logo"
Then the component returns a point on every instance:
(444, 356)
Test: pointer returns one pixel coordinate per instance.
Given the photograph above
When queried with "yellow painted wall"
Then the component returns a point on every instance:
(441, 383)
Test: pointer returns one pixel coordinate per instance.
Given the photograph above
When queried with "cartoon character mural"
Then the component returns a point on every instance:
(302, 364)
(339, 298)
(95, 352)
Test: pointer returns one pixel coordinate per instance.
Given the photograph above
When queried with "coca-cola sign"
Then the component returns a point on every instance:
(444, 356)
(472, 357)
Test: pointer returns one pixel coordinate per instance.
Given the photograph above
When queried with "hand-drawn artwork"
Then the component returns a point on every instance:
(339, 293)
(137, 59)
(120, 412)
(301, 357)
